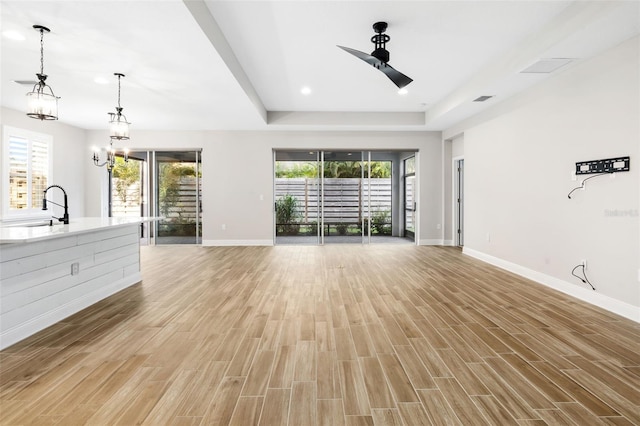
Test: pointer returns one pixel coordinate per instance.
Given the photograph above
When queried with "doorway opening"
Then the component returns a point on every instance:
(409, 197)
(458, 197)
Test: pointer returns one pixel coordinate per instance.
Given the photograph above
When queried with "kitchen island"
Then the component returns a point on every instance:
(48, 273)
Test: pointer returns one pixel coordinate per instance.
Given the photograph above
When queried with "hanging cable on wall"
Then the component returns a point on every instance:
(582, 184)
(585, 280)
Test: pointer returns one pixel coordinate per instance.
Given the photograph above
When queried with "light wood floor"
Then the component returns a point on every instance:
(344, 335)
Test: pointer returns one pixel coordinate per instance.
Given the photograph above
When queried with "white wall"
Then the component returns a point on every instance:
(69, 159)
(457, 146)
(518, 166)
(237, 169)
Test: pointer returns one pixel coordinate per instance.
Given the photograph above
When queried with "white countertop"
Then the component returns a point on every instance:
(26, 233)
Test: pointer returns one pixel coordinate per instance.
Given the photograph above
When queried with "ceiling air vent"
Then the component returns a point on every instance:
(546, 66)
(482, 98)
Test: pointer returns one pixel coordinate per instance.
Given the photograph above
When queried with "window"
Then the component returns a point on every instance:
(26, 165)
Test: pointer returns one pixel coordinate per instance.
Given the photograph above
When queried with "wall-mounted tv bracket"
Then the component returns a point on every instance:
(600, 168)
(610, 165)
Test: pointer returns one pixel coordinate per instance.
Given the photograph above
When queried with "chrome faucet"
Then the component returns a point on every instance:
(65, 218)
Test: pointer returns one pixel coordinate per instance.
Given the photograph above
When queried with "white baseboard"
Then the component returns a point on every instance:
(430, 242)
(24, 330)
(228, 243)
(448, 243)
(605, 302)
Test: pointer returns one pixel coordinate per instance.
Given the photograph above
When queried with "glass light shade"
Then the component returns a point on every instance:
(119, 129)
(42, 105)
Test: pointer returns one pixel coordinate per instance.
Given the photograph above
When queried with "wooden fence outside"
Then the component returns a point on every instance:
(179, 207)
(127, 203)
(346, 200)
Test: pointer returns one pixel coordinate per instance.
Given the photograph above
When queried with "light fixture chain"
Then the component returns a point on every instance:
(119, 91)
(41, 51)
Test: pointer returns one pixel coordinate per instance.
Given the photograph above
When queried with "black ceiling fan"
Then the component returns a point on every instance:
(379, 58)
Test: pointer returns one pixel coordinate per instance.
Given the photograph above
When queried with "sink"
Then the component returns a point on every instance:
(26, 224)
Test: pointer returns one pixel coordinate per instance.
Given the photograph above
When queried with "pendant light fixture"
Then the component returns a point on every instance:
(40, 104)
(119, 126)
(118, 131)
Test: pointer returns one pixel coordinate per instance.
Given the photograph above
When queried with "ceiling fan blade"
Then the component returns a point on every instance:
(372, 60)
(394, 75)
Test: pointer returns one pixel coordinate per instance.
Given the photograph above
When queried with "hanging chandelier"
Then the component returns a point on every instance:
(119, 126)
(118, 130)
(40, 104)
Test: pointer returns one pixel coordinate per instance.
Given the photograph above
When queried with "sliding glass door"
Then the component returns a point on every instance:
(128, 190)
(335, 197)
(297, 197)
(177, 197)
(160, 183)
(344, 215)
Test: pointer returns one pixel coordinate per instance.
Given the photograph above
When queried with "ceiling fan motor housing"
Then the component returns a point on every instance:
(380, 27)
(380, 41)
(382, 54)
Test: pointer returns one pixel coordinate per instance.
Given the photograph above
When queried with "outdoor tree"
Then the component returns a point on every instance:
(332, 169)
(169, 184)
(296, 170)
(125, 174)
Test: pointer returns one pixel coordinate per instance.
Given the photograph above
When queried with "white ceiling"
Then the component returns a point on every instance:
(208, 64)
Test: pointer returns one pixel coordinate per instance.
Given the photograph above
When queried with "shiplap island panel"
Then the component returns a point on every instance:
(50, 272)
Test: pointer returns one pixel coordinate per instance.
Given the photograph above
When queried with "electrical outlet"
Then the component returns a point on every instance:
(224, 227)
(75, 268)
(583, 262)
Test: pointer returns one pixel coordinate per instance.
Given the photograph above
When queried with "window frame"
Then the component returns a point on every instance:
(8, 132)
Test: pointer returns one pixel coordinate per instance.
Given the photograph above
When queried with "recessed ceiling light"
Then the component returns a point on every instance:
(101, 80)
(403, 91)
(13, 35)
(306, 90)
